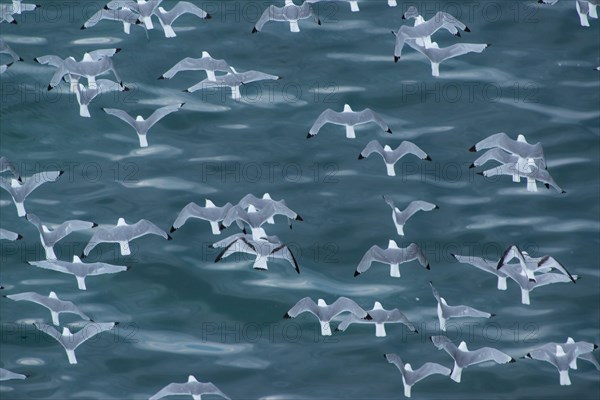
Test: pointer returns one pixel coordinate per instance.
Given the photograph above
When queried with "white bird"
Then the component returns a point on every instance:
(290, 12)
(256, 218)
(325, 313)
(353, 3)
(349, 119)
(445, 311)
(7, 166)
(9, 235)
(582, 350)
(410, 377)
(484, 265)
(380, 317)
(93, 64)
(122, 234)
(391, 157)
(19, 6)
(141, 125)
(79, 269)
(144, 8)
(6, 375)
(232, 80)
(280, 206)
(394, 256)
(533, 173)
(204, 63)
(4, 67)
(50, 237)
(124, 15)
(70, 341)
(55, 305)
(556, 355)
(209, 212)
(584, 9)
(437, 55)
(86, 95)
(423, 30)
(463, 357)
(516, 273)
(529, 264)
(6, 49)
(166, 18)
(519, 147)
(264, 247)
(191, 387)
(20, 191)
(400, 217)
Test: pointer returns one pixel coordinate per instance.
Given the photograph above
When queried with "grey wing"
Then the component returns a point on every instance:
(413, 252)
(227, 241)
(460, 49)
(27, 296)
(428, 369)
(124, 15)
(481, 263)
(253, 76)
(443, 343)
(96, 55)
(161, 113)
(69, 307)
(171, 389)
(49, 330)
(122, 115)
(51, 265)
(344, 304)
(268, 15)
(590, 358)
(543, 176)
(99, 236)
(304, 305)
(5, 48)
(415, 206)
(145, 227)
(183, 7)
(504, 169)
(395, 359)
(67, 227)
(239, 245)
(325, 117)
(372, 147)
(407, 147)
(86, 333)
(115, 4)
(349, 320)
(100, 268)
(250, 199)
(195, 64)
(368, 115)
(466, 311)
(550, 278)
(6, 165)
(486, 354)
(399, 45)
(9, 235)
(495, 154)
(206, 84)
(235, 213)
(389, 202)
(397, 316)
(511, 253)
(550, 262)
(209, 388)
(191, 210)
(501, 140)
(375, 253)
(435, 292)
(36, 180)
(450, 19)
(52, 60)
(284, 252)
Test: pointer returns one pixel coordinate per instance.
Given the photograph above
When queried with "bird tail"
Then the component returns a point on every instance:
(71, 355)
(456, 373)
(354, 6)
(380, 330)
(83, 111)
(350, 134)
(395, 270)
(564, 378)
(294, 26)
(390, 169)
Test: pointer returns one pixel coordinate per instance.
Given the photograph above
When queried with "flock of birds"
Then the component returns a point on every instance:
(517, 158)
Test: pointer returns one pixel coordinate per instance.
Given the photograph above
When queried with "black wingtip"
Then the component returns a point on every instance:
(480, 173)
(82, 256)
(492, 315)
(254, 30)
(299, 218)
(309, 135)
(128, 268)
(488, 45)
(389, 130)
(416, 331)
(4, 295)
(60, 173)
(512, 360)
(457, 34)
(82, 27)
(427, 158)
(436, 207)
(14, 22)
(287, 316)
(169, 237)
(467, 29)
(318, 22)
(208, 16)
(563, 192)
(244, 230)
(595, 346)
(161, 77)
(531, 280)
(428, 266)
(222, 227)
(106, 7)
(19, 236)
(126, 89)
(360, 157)
(94, 224)
(117, 323)
(368, 317)
(356, 273)
(472, 165)
(118, 49)
(49, 87)
(403, 17)
(186, 91)
(472, 149)
(172, 229)
(396, 59)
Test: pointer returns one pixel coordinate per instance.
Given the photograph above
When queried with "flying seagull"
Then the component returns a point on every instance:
(463, 357)
(438, 55)
(70, 341)
(531, 265)
(9, 235)
(533, 173)
(410, 377)
(349, 119)
(166, 18)
(394, 256)
(7, 166)
(6, 375)
(380, 317)
(256, 218)
(353, 3)
(288, 13)
(445, 311)
(50, 237)
(400, 217)
(79, 269)
(484, 265)
(124, 15)
(325, 313)
(141, 125)
(191, 387)
(267, 201)
(52, 303)
(144, 8)
(560, 357)
(391, 157)
(86, 95)
(204, 63)
(20, 191)
(123, 233)
(6, 49)
(233, 80)
(209, 212)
